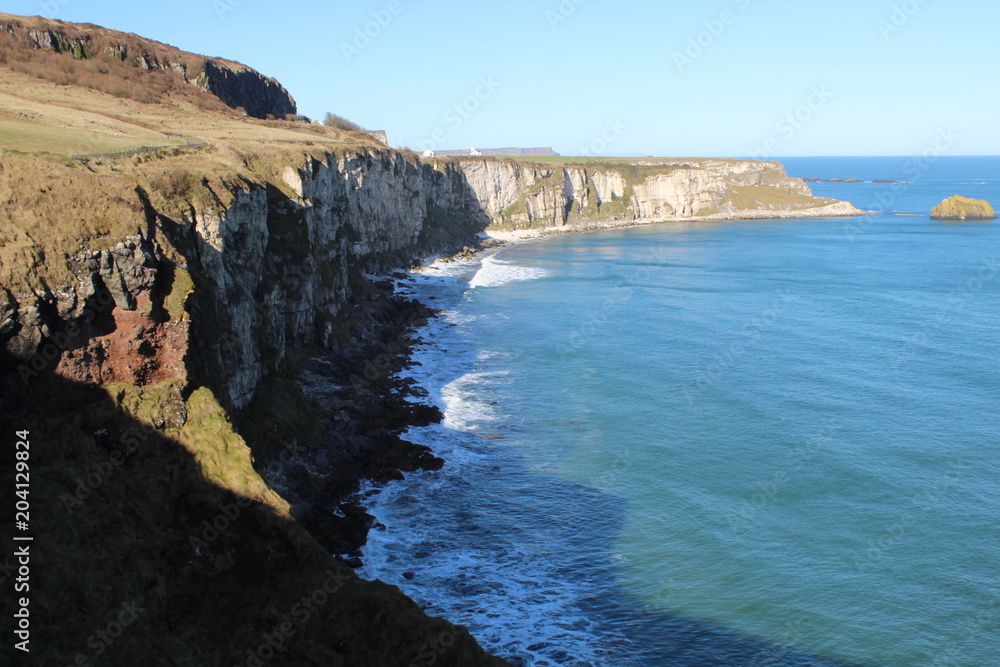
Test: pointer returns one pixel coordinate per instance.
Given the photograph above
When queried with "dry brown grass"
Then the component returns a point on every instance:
(763, 197)
(104, 72)
(64, 114)
(48, 211)
(55, 104)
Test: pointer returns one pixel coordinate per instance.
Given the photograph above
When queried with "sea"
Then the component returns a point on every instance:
(757, 443)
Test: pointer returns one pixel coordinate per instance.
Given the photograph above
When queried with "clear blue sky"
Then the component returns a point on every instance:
(883, 77)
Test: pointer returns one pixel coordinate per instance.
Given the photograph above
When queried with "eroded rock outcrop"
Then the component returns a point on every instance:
(963, 208)
(237, 85)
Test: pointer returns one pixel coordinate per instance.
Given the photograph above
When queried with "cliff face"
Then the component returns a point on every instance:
(144, 348)
(272, 270)
(276, 267)
(260, 96)
(236, 85)
(524, 195)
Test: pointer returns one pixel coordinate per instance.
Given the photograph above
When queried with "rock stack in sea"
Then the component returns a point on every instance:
(963, 208)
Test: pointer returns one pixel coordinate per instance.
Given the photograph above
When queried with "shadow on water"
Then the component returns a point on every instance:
(515, 554)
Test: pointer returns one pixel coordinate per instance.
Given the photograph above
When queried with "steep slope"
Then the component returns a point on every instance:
(106, 59)
(130, 340)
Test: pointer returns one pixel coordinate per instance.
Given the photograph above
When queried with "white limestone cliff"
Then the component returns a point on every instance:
(519, 195)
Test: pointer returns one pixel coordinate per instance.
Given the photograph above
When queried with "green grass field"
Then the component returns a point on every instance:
(35, 138)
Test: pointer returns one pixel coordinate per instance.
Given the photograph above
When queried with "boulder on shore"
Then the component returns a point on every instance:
(963, 208)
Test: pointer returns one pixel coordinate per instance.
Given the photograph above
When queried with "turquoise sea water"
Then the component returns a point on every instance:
(748, 443)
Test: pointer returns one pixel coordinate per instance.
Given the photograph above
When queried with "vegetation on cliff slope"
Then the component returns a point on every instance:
(158, 543)
(963, 208)
(128, 66)
(54, 205)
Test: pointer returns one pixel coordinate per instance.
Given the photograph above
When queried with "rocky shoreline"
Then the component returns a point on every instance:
(367, 402)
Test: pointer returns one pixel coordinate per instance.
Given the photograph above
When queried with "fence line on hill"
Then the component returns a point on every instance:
(140, 150)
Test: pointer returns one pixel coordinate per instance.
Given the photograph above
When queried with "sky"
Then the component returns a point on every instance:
(725, 78)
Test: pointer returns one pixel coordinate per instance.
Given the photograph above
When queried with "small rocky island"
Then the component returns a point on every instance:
(963, 208)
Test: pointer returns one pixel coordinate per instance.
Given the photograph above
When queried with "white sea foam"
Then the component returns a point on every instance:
(510, 592)
(495, 272)
(463, 560)
(467, 404)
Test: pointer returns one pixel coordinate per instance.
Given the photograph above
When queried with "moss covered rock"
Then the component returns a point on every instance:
(963, 208)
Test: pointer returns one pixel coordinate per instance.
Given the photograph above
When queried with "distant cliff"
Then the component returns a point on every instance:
(963, 208)
(521, 194)
(234, 84)
(499, 152)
